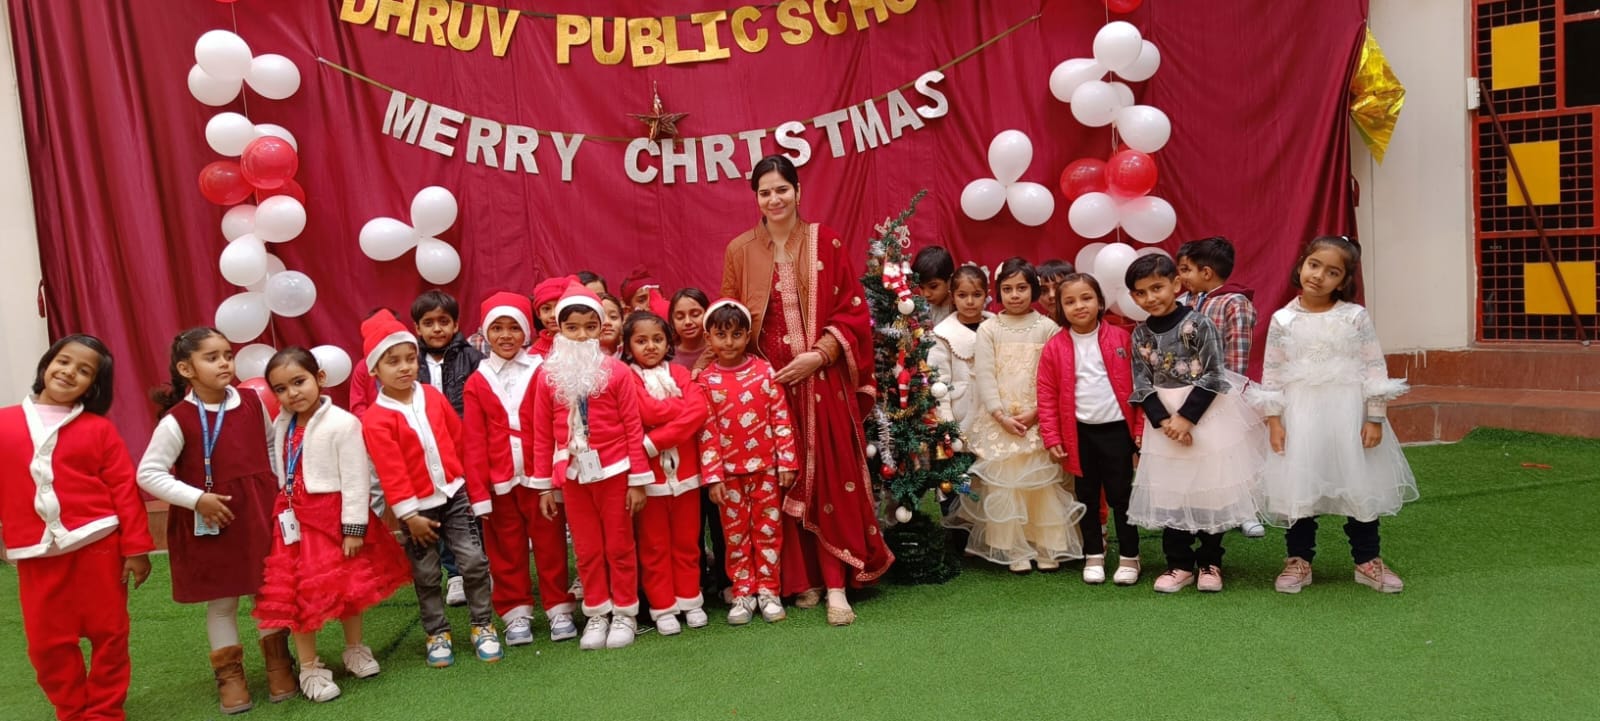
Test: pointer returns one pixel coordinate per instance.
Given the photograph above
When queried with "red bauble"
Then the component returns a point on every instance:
(1130, 174)
(268, 398)
(268, 162)
(221, 182)
(1085, 175)
(1123, 6)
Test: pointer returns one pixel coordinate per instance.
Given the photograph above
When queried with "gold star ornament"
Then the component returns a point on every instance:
(661, 123)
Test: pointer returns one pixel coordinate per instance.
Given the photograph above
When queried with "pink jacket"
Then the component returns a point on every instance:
(1058, 387)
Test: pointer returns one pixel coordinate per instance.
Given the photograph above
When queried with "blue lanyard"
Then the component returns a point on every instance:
(292, 451)
(583, 414)
(209, 434)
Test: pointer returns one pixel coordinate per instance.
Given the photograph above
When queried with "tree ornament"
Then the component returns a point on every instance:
(958, 445)
(902, 514)
(872, 450)
(902, 377)
(939, 390)
(946, 488)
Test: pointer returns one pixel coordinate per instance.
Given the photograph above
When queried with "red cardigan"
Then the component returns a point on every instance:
(399, 459)
(674, 424)
(487, 434)
(1058, 388)
(92, 481)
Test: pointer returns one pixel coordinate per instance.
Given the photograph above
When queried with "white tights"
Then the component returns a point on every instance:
(222, 623)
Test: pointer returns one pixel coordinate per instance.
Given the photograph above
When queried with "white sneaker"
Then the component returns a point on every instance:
(562, 627)
(1094, 569)
(455, 592)
(771, 608)
(1252, 529)
(1047, 565)
(696, 618)
(316, 682)
(743, 608)
(1126, 574)
(668, 625)
(358, 660)
(594, 633)
(623, 629)
(519, 632)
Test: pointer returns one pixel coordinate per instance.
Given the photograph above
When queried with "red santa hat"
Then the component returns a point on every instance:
(659, 305)
(720, 302)
(381, 332)
(578, 295)
(550, 290)
(636, 281)
(506, 304)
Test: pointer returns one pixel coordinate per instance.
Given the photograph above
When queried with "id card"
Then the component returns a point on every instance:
(588, 463)
(202, 528)
(289, 526)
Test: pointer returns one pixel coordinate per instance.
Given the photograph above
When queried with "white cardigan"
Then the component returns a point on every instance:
(952, 355)
(334, 460)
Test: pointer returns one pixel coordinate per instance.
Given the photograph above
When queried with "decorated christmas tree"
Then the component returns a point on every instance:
(912, 449)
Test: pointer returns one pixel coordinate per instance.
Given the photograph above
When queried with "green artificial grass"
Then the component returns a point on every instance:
(1495, 623)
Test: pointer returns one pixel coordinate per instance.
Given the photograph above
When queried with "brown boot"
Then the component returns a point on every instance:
(281, 683)
(228, 665)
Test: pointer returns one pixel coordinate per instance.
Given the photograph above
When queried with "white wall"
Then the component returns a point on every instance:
(20, 325)
(1415, 211)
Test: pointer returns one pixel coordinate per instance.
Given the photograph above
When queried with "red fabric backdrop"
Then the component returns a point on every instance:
(1255, 90)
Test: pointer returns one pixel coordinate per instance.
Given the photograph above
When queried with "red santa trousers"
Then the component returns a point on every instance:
(668, 533)
(506, 533)
(753, 531)
(602, 539)
(78, 594)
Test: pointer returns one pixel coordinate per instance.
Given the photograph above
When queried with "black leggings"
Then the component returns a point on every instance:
(1181, 553)
(1105, 453)
(1302, 539)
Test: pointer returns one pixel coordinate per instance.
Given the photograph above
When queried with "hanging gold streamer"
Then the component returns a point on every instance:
(1376, 97)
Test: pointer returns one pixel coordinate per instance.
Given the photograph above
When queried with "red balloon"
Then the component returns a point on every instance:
(262, 389)
(1123, 6)
(269, 161)
(290, 188)
(1084, 175)
(1130, 174)
(223, 183)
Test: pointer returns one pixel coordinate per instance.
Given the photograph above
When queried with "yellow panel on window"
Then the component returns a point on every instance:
(1514, 56)
(1541, 170)
(1542, 296)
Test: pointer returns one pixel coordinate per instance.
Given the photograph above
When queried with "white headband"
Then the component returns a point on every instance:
(726, 302)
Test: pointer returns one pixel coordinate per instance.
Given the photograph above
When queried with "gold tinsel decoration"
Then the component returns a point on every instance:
(1376, 97)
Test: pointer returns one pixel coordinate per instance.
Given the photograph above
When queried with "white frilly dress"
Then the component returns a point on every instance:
(1324, 375)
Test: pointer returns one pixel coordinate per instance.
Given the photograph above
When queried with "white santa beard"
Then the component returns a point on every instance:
(658, 381)
(576, 369)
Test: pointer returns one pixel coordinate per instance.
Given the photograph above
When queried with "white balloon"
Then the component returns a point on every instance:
(1095, 103)
(983, 198)
(1127, 308)
(273, 76)
(1009, 155)
(386, 238)
(1092, 215)
(243, 316)
(1031, 203)
(1117, 45)
(265, 129)
(1124, 94)
(1153, 250)
(1112, 264)
(1083, 262)
(280, 218)
(274, 266)
(244, 261)
(210, 90)
(1148, 219)
(223, 55)
(1069, 74)
(228, 133)
(239, 220)
(290, 293)
(437, 262)
(433, 211)
(1144, 128)
(1142, 68)
(251, 360)
(335, 363)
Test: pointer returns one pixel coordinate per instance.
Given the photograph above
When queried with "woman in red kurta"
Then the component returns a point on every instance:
(811, 324)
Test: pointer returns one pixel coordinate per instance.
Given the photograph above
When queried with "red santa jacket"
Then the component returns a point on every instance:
(749, 425)
(496, 449)
(615, 431)
(63, 490)
(672, 435)
(414, 451)
(1058, 389)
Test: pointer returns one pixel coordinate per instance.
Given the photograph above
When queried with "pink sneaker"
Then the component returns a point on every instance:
(1210, 579)
(1174, 580)
(1296, 575)
(1376, 576)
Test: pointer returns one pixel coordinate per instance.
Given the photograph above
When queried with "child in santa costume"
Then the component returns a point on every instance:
(498, 438)
(331, 557)
(545, 297)
(412, 436)
(749, 428)
(76, 528)
(589, 443)
(208, 459)
(674, 411)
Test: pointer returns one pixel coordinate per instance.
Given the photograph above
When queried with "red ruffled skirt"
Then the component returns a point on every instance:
(307, 584)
